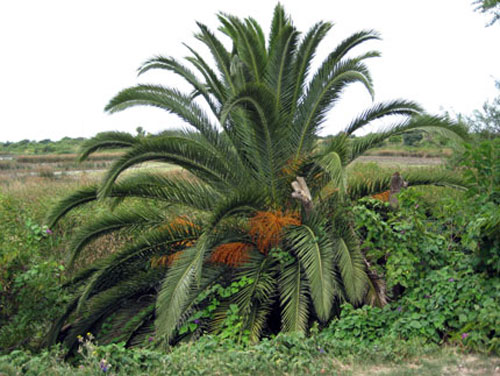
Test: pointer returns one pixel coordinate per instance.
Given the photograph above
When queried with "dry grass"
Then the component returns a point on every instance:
(400, 161)
(421, 153)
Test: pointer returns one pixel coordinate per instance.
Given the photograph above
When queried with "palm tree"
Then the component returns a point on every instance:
(258, 221)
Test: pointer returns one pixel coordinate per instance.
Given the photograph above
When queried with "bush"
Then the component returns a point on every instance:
(412, 138)
(438, 296)
(284, 354)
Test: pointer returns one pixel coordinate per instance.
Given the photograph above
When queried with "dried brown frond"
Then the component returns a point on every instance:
(292, 166)
(383, 196)
(165, 260)
(266, 227)
(231, 254)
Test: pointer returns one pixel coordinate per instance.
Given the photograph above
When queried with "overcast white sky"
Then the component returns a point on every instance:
(61, 61)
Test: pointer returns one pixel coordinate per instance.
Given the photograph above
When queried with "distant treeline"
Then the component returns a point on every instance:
(66, 145)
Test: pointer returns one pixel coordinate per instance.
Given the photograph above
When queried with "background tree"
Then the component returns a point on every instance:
(486, 122)
(491, 7)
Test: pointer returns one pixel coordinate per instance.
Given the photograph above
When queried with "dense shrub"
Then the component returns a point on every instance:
(412, 138)
(30, 274)
(437, 293)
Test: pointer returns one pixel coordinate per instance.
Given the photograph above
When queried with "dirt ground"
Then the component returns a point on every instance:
(445, 365)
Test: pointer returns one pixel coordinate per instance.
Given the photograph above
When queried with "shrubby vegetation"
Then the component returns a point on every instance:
(66, 145)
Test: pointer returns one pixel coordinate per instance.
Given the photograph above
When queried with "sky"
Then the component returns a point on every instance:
(63, 60)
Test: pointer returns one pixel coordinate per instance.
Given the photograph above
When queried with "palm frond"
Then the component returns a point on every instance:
(214, 84)
(248, 43)
(280, 67)
(352, 268)
(111, 222)
(176, 288)
(171, 100)
(279, 22)
(348, 44)
(380, 110)
(329, 169)
(170, 64)
(82, 196)
(54, 332)
(427, 123)
(361, 185)
(293, 298)
(167, 187)
(315, 253)
(304, 56)
(168, 239)
(106, 140)
(109, 301)
(221, 56)
(195, 157)
(127, 321)
(256, 319)
(243, 201)
(257, 101)
(254, 299)
(323, 91)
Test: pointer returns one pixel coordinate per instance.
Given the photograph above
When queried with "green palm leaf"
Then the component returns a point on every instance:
(106, 140)
(315, 252)
(431, 124)
(380, 110)
(168, 63)
(352, 268)
(176, 288)
(82, 196)
(108, 223)
(294, 298)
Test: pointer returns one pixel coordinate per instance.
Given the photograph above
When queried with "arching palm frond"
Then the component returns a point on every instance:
(168, 240)
(350, 262)
(221, 56)
(248, 41)
(315, 253)
(109, 301)
(380, 110)
(431, 124)
(303, 58)
(171, 100)
(294, 298)
(261, 271)
(107, 140)
(188, 192)
(168, 63)
(193, 156)
(214, 85)
(177, 286)
(323, 91)
(366, 185)
(80, 197)
(111, 222)
(279, 70)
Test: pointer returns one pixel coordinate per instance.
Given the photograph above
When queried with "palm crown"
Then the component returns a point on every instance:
(260, 208)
